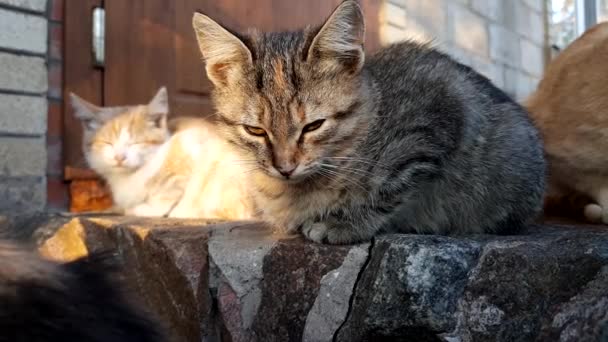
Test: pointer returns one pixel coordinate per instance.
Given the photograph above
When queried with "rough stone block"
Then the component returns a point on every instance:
(22, 157)
(315, 283)
(469, 31)
(23, 73)
(22, 195)
(532, 60)
(23, 31)
(550, 283)
(32, 5)
(23, 114)
(504, 45)
(165, 264)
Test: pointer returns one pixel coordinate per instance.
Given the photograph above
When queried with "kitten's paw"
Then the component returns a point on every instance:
(315, 231)
(326, 232)
(593, 213)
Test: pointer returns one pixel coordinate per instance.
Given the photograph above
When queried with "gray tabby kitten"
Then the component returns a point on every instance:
(344, 148)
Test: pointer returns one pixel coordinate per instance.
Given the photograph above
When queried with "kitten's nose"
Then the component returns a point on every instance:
(120, 157)
(286, 170)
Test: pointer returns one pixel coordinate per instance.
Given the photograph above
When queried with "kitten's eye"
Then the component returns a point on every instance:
(313, 126)
(256, 131)
(102, 143)
(147, 143)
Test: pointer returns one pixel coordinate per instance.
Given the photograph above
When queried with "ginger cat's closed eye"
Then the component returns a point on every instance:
(152, 172)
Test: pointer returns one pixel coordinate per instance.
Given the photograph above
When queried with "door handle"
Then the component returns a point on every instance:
(98, 37)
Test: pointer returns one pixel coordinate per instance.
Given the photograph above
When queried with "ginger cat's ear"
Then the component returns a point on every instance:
(224, 53)
(89, 114)
(158, 108)
(338, 45)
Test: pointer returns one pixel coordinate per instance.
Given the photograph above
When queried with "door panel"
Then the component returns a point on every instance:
(151, 43)
(80, 76)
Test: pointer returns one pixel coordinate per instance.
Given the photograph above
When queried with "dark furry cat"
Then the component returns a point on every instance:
(346, 147)
(77, 301)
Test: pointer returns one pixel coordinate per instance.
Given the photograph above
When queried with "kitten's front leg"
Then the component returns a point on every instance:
(338, 229)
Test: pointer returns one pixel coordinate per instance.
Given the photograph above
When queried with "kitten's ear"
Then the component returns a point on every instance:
(158, 108)
(339, 43)
(224, 53)
(88, 113)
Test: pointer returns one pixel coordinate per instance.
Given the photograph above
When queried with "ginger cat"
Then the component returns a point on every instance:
(151, 172)
(570, 108)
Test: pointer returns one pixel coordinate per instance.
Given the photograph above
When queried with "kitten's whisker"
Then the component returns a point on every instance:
(346, 179)
(246, 172)
(361, 160)
(356, 171)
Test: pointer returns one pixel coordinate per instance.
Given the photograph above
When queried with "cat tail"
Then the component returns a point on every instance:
(81, 300)
(98, 275)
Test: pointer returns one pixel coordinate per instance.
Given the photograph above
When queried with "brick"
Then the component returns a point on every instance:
(418, 32)
(528, 23)
(393, 14)
(536, 5)
(460, 55)
(504, 45)
(32, 5)
(22, 156)
(23, 114)
(537, 33)
(510, 81)
(430, 15)
(488, 8)
(55, 86)
(56, 41)
(390, 34)
(532, 60)
(23, 31)
(525, 87)
(56, 10)
(23, 73)
(470, 31)
(518, 84)
(22, 195)
(494, 72)
(508, 14)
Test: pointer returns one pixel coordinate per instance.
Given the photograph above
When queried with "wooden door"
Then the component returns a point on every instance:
(151, 43)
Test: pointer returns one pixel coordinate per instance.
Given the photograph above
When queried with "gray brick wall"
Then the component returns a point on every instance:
(23, 105)
(502, 39)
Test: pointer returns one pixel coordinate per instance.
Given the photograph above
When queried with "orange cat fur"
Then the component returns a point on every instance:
(151, 172)
(570, 108)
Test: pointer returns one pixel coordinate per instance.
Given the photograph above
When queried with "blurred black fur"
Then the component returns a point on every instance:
(77, 301)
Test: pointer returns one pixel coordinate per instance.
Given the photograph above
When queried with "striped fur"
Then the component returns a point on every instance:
(411, 140)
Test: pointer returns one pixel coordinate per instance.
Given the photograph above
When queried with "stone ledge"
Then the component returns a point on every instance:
(237, 282)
